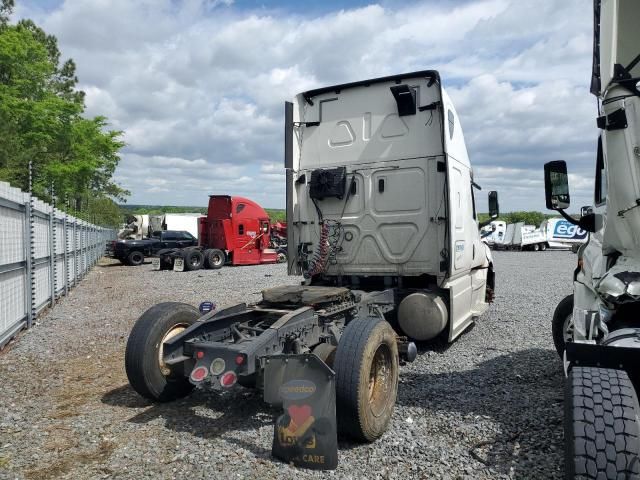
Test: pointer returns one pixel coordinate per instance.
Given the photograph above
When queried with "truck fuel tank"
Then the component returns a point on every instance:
(422, 315)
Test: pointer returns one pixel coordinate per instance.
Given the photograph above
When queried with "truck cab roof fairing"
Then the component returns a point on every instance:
(432, 74)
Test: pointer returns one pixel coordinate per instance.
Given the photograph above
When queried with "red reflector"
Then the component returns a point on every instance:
(239, 359)
(199, 374)
(199, 354)
(228, 379)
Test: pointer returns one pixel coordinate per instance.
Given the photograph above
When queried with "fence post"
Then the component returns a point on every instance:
(28, 243)
(52, 253)
(66, 256)
(75, 251)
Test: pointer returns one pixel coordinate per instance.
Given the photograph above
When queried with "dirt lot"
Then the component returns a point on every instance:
(487, 406)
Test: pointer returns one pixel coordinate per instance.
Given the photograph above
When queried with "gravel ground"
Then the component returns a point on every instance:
(487, 406)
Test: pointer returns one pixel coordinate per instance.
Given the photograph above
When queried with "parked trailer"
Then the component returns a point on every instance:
(494, 233)
(380, 223)
(189, 222)
(519, 236)
(560, 233)
(596, 330)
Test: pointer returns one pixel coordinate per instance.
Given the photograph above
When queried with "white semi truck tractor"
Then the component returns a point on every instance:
(382, 225)
(596, 330)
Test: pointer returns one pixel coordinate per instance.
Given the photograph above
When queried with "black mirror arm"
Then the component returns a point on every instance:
(568, 217)
(588, 222)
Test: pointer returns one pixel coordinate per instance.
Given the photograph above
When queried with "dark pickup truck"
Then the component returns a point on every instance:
(132, 252)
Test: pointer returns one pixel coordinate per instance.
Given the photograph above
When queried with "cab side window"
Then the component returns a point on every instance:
(601, 176)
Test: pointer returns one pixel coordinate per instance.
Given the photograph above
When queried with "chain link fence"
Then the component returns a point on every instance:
(43, 253)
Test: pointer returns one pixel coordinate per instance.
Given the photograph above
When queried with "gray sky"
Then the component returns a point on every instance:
(198, 86)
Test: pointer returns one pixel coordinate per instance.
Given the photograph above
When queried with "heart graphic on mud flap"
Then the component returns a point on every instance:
(299, 413)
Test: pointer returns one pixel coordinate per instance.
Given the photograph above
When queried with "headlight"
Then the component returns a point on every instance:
(612, 287)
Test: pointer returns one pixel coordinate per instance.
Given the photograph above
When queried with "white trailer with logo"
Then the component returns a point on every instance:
(559, 233)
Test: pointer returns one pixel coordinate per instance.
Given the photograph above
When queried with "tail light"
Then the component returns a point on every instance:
(228, 379)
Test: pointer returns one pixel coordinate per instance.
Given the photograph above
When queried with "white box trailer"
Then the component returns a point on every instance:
(559, 233)
(187, 222)
(494, 233)
(527, 237)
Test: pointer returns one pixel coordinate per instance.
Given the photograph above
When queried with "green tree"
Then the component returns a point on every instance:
(42, 122)
(6, 7)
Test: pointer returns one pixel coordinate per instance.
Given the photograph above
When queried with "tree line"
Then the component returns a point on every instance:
(43, 122)
(529, 218)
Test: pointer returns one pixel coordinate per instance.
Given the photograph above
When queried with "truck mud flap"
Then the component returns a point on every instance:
(155, 263)
(178, 264)
(305, 434)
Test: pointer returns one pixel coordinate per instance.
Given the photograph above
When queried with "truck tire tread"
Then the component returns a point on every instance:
(602, 434)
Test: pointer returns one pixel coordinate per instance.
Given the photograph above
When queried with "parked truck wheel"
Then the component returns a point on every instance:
(193, 259)
(366, 365)
(165, 262)
(147, 373)
(535, 247)
(135, 258)
(562, 324)
(543, 246)
(281, 258)
(214, 258)
(601, 427)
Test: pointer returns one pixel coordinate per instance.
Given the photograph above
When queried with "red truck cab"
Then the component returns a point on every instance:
(240, 228)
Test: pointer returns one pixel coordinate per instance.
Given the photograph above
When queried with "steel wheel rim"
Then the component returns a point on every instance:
(173, 331)
(379, 380)
(137, 257)
(567, 329)
(194, 261)
(217, 259)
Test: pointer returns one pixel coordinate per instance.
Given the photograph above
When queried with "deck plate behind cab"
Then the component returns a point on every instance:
(305, 295)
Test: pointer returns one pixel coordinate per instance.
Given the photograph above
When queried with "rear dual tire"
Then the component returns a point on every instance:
(193, 260)
(146, 372)
(366, 364)
(214, 258)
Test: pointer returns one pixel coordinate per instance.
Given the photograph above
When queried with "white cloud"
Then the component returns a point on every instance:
(198, 85)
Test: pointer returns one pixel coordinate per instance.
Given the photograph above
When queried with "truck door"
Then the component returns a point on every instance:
(169, 240)
(246, 251)
(185, 239)
(462, 246)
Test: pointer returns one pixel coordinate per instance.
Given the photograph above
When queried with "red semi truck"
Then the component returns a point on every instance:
(236, 231)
